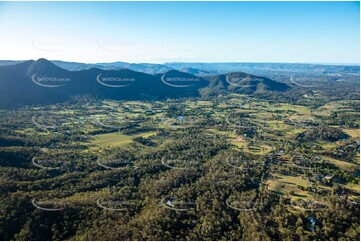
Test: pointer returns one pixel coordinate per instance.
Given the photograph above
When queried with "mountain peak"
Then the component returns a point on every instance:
(42, 66)
(43, 61)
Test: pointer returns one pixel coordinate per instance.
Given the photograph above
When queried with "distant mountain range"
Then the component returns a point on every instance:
(44, 82)
(203, 69)
(256, 68)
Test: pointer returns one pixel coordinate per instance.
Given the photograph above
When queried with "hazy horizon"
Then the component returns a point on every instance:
(215, 62)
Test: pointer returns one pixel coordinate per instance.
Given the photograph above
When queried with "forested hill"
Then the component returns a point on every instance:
(42, 82)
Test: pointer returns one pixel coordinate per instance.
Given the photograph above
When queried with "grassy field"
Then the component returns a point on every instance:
(283, 184)
(340, 164)
(354, 133)
(116, 139)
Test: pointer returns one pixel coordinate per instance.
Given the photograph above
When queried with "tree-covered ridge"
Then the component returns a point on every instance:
(324, 132)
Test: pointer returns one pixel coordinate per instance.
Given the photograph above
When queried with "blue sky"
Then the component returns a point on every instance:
(157, 32)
